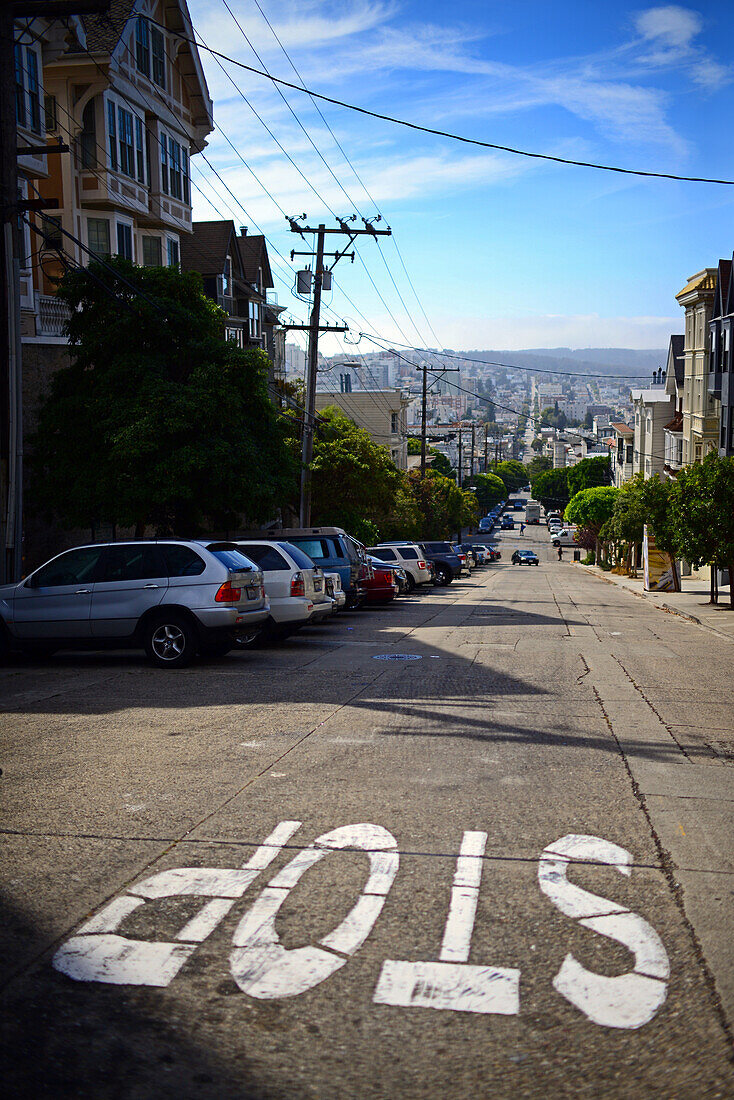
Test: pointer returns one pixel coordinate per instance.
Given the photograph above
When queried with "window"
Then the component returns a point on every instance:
(408, 553)
(182, 561)
(34, 102)
(268, 558)
(19, 87)
(98, 236)
(88, 137)
(124, 241)
(174, 160)
(254, 315)
(159, 57)
(140, 562)
(139, 149)
(316, 549)
(235, 560)
(384, 555)
(394, 422)
(112, 134)
(73, 567)
(227, 277)
(185, 176)
(127, 151)
(172, 249)
(142, 47)
(152, 256)
(52, 235)
(164, 163)
(235, 335)
(49, 109)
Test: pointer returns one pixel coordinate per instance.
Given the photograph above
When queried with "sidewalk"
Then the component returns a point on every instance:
(692, 603)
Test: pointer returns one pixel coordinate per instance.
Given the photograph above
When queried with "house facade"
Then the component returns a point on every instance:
(673, 428)
(621, 450)
(382, 413)
(653, 408)
(700, 414)
(721, 374)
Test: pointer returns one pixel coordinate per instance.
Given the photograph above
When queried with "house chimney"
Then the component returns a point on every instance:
(243, 230)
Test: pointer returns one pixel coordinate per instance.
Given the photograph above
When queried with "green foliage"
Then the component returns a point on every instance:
(440, 461)
(553, 418)
(469, 509)
(489, 489)
(536, 466)
(414, 446)
(551, 488)
(405, 519)
(441, 504)
(590, 558)
(513, 474)
(629, 515)
(655, 499)
(702, 510)
(591, 508)
(158, 420)
(353, 480)
(587, 473)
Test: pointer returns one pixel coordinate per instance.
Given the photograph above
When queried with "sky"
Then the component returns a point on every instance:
(503, 251)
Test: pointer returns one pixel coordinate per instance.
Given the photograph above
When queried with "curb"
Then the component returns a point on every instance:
(592, 571)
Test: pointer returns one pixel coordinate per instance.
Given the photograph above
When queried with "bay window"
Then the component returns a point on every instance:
(142, 46)
(159, 57)
(112, 134)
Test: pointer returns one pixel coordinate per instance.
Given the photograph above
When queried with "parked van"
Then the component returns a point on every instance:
(532, 512)
(332, 549)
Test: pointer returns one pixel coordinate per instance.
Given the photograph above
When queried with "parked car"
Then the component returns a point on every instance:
(477, 555)
(446, 562)
(524, 557)
(378, 581)
(494, 553)
(549, 516)
(518, 505)
(564, 536)
(409, 556)
(481, 553)
(486, 524)
(464, 559)
(294, 585)
(332, 549)
(171, 597)
(398, 573)
(333, 583)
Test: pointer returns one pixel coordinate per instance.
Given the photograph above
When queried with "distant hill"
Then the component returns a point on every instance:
(582, 360)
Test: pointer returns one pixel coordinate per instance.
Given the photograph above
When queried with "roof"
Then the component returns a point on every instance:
(104, 30)
(254, 254)
(205, 250)
(721, 300)
(702, 281)
(674, 425)
(620, 428)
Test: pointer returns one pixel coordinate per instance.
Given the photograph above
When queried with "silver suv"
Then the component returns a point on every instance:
(170, 597)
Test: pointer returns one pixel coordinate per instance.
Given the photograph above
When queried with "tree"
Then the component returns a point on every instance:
(551, 489)
(354, 481)
(489, 489)
(702, 509)
(440, 461)
(554, 418)
(158, 420)
(513, 474)
(440, 502)
(627, 521)
(656, 505)
(537, 465)
(591, 508)
(587, 473)
(537, 444)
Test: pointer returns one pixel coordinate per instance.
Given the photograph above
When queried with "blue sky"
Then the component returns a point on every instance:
(504, 252)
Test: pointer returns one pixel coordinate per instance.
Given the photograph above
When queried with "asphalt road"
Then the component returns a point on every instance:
(522, 886)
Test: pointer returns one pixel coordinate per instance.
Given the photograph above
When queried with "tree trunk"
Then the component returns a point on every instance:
(713, 591)
(674, 571)
(140, 529)
(731, 583)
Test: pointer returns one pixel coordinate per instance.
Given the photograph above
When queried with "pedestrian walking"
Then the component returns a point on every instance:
(560, 553)
(522, 528)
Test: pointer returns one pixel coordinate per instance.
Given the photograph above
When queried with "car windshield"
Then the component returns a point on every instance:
(233, 559)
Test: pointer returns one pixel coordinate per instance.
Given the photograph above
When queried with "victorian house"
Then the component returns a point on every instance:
(721, 373)
(673, 428)
(700, 405)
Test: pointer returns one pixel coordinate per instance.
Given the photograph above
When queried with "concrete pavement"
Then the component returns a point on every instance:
(479, 841)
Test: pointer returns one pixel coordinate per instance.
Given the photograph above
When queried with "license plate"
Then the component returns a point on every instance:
(317, 584)
(253, 592)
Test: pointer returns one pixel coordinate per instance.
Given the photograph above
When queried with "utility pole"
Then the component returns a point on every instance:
(486, 448)
(460, 455)
(471, 465)
(424, 399)
(314, 328)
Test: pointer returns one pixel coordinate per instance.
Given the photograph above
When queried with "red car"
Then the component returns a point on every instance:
(378, 583)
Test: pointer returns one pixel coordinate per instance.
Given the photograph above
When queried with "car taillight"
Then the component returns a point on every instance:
(421, 565)
(298, 585)
(228, 594)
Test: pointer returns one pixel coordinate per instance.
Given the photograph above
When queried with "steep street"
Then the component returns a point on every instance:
(569, 744)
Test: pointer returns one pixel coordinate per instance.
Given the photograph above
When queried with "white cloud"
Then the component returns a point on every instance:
(670, 25)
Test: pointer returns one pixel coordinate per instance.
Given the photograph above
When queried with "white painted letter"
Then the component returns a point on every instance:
(628, 1000)
(97, 954)
(452, 983)
(263, 967)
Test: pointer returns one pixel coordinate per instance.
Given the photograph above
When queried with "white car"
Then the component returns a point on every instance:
(334, 589)
(408, 556)
(564, 536)
(294, 585)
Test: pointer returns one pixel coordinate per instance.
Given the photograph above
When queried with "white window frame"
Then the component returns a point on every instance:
(125, 222)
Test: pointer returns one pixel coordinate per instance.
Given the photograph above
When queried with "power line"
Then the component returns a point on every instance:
(455, 137)
(506, 366)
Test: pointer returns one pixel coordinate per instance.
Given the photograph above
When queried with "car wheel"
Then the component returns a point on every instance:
(247, 639)
(170, 642)
(409, 584)
(443, 576)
